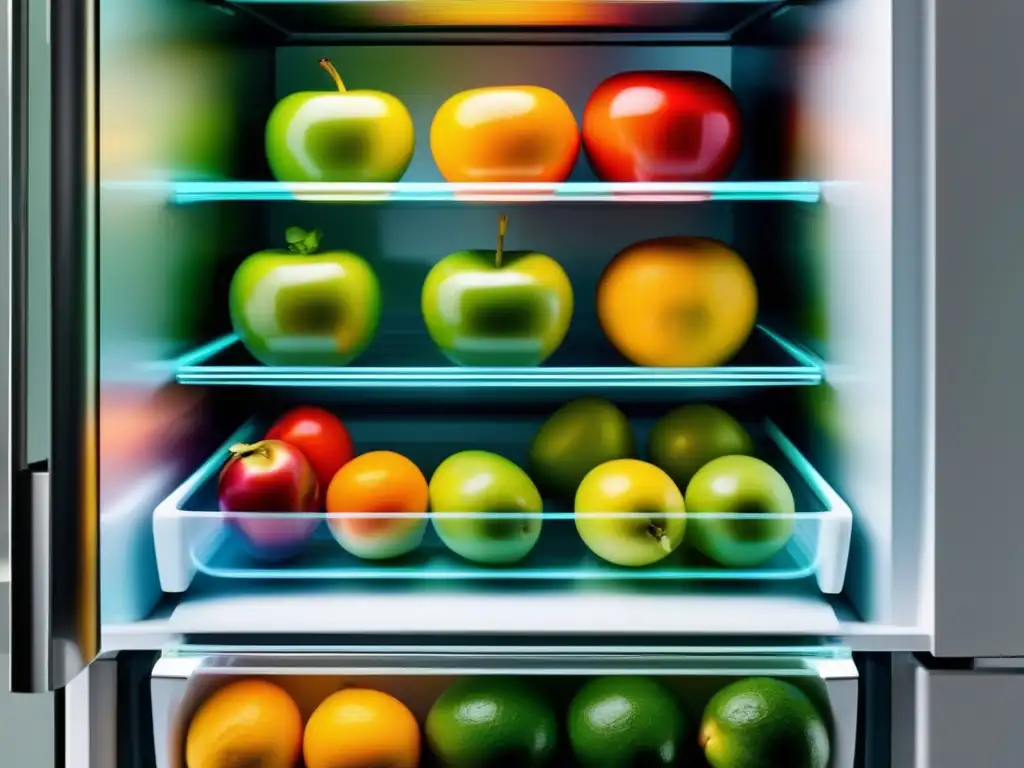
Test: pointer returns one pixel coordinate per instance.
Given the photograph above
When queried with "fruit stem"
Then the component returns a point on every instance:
(241, 450)
(658, 533)
(301, 241)
(326, 64)
(502, 229)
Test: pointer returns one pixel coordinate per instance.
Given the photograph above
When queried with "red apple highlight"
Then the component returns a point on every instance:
(661, 126)
(275, 478)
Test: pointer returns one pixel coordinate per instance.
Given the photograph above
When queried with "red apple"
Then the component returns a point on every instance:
(661, 126)
(320, 436)
(274, 478)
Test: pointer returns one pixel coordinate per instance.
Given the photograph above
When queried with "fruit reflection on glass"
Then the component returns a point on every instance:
(339, 136)
(576, 438)
(520, 133)
(762, 722)
(249, 722)
(677, 302)
(739, 486)
(661, 126)
(485, 508)
(686, 438)
(320, 436)
(492, 721)
(497, 308)
(270, 479)
(303, 308)
(630, 513)
(378, 483)
(359, 727)
(626, 720)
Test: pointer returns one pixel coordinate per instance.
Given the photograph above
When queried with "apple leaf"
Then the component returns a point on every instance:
(301, 241)
(312, 241)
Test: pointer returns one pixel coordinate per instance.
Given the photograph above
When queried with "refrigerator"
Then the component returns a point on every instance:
(872, 195)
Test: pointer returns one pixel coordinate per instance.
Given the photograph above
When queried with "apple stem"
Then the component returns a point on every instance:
(657, 532)
(241, 450)
(301, 241)
(326, 64)
(502, 229)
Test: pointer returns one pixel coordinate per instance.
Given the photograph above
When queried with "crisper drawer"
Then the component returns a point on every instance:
(559, 705)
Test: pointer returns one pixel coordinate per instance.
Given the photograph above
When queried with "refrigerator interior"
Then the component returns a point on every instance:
(185, 90)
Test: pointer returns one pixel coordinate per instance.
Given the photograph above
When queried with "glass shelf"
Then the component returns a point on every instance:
(705, 20)
(193, 536)
(768, 360)
(438, 192)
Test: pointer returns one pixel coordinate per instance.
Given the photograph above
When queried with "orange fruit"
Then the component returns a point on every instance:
(360, 728)
(381, 482)
(677, 302)
(520, 133)
(250, 723)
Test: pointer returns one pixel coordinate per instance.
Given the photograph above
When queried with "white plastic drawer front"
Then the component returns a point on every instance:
(181, 683)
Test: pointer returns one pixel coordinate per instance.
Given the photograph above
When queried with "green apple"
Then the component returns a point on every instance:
(485, 508)
(298, 307)
(575, 439)
(630, 512)
(496, 308)
(739, 485)
(686, 438)
(356, 136)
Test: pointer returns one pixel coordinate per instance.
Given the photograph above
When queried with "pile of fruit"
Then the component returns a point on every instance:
(498, 722)
(637, 126)
(668, 302)
(700, 482)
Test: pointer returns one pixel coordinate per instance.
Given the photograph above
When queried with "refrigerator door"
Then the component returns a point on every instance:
(952, 718)
(52, 497)
(975, 59)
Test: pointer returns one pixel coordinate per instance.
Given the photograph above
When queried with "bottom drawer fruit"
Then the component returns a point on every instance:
(600, 710)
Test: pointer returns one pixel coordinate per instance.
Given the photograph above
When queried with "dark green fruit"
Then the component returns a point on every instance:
(492, 722)
(576, 438)
(626, 722)
(761, 722)
(686, 438)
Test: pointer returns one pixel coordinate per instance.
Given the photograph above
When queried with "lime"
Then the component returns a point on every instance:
(623, 722)
(760, 722)
(492, 722)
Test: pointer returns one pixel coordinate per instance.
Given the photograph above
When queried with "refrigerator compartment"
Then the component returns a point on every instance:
(707, 20)
(190, 192)
(192, 536)
(767, 360)
(416, 677)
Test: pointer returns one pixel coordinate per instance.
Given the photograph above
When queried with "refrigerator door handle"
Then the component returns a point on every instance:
(53, 505)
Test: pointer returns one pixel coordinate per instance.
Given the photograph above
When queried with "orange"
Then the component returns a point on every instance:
(250, 723)
(381, 482)
(677, 302)
(520, 133)
(361, 728)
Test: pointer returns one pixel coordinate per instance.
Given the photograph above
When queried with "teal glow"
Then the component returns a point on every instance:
(195, 368)
(185, 192)
(559, 555)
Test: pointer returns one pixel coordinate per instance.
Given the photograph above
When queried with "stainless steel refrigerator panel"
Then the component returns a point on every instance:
(53, 504)
(953, 718)
(978, 121)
